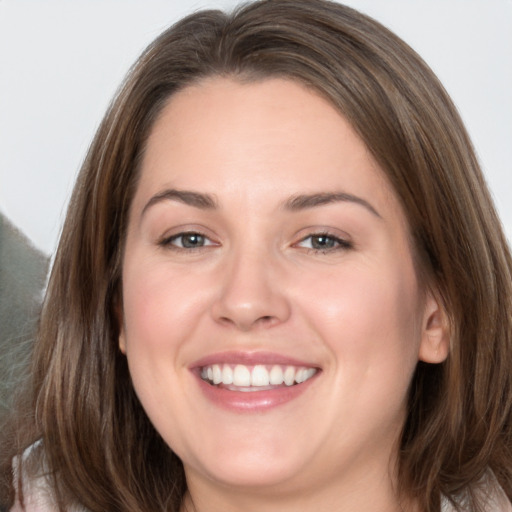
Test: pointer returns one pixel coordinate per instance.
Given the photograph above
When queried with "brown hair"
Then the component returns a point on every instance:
(99, 446)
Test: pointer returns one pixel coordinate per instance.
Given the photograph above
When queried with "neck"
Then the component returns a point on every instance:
(369, 491)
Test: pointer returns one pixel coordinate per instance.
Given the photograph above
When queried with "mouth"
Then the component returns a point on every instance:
(253, 381)
(259, 377)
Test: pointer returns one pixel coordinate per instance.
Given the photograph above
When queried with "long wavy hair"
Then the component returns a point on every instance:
(97, 446)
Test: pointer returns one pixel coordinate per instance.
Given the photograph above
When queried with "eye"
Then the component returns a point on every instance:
(324, 242)
(188, 240)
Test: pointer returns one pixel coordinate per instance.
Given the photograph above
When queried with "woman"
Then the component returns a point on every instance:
(281, 285)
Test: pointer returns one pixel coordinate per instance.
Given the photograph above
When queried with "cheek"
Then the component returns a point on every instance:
(160, 315)
(160, 306)
(144, 304)
(368, 317)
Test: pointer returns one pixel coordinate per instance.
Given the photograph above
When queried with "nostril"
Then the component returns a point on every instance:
(226, 320)
(267, 319)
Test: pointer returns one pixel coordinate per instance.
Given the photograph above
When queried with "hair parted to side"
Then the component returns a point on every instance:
(99, 447)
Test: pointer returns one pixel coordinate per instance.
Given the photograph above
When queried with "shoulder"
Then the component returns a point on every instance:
(37, 490)
(489, 493)
(37, 496)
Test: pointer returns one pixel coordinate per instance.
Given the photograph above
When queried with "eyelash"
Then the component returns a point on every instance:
(334, 243)
(168, 241)
(339, 244)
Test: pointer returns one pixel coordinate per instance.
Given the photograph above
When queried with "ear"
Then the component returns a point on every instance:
(122, 343)
(435, 336)
(120, 322)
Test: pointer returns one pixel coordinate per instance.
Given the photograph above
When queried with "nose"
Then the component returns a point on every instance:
(251, 294)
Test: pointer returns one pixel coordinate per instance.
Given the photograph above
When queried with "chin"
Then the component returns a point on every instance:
(252, 475)
(260, 465)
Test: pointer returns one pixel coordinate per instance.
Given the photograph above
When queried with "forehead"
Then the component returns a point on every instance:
(274, 135)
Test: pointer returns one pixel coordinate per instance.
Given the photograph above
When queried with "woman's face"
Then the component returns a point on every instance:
(272, 317)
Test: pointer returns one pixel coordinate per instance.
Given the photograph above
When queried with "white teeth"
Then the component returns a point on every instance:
(309, 373)
(260, 376)
(276, 376)
(217, 374)
(227, 374)
(299, 376)
(289, 375)
(304, 374)
(241, 376)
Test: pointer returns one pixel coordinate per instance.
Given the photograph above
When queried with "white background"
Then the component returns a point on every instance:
(61, 62)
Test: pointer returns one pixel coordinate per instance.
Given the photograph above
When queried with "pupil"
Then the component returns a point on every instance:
(322, 242)
(193, 240)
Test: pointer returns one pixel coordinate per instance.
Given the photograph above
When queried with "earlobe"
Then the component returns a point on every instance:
(120, 322)
(121, 341)
(435, 336)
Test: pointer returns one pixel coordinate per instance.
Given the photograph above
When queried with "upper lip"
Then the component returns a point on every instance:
(251, 358)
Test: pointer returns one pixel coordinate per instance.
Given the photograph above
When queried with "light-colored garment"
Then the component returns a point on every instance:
(38, 497)
(37, 492)
(492, 498)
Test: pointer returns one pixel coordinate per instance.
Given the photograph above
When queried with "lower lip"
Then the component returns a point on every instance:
(253, 401)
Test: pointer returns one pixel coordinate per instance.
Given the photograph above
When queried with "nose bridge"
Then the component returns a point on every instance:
(250, 292)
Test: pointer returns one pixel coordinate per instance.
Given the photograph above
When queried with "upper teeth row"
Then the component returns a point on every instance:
(259, 375)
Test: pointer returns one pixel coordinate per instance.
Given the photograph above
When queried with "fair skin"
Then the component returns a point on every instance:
(295, 255)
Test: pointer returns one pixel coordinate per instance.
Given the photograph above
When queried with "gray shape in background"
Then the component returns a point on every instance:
(23, 272)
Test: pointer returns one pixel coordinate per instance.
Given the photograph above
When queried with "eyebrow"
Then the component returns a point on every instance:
(295, 203)
(195, 199)
(303, 202)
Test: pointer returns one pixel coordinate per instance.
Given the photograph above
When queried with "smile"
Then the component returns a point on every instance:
(240, 377)
(253, 381)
